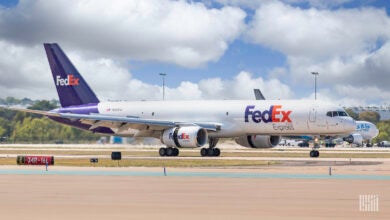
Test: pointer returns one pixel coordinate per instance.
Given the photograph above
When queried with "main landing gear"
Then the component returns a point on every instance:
(168, 151)
(211, 151)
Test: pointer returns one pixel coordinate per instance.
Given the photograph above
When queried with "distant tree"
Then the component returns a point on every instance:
(12, 101)
(43, 105)
(370, 116)
(7, 114)
(353, 114)
(384, 131)
(26, 101)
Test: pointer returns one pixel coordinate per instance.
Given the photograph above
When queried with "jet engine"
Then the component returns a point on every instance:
(354, 139)
(189, 136)
(258, 141)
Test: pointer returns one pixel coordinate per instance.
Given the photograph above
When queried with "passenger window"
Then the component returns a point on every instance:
(329, 114)
(335, 114)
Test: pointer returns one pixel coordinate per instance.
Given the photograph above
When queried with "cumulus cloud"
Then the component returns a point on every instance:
(241, 87)
(180, 32)
(28, 75)
(318, 33)
(254, 4)
(348, 47)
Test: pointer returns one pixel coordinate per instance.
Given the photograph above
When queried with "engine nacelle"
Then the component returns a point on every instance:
(190, 136)
(258, 141)
(354, 139)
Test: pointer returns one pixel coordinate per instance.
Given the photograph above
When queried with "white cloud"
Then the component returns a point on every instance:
(318, 33)
(180, 32)
(27, 74)
(348, 47)
(241, 87)
(254, 4)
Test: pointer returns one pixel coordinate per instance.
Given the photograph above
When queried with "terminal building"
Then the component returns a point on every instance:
(384, 111)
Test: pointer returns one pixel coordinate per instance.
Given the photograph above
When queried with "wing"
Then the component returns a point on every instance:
(119, 124)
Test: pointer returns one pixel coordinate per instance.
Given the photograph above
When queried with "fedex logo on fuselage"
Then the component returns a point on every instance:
(273, 114)
(69, 81)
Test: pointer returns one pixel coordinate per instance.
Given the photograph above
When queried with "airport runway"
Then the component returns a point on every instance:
(187, 193)
(294, 188)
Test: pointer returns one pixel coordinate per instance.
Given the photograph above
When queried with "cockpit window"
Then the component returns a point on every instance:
(336, 114)
(341, 113)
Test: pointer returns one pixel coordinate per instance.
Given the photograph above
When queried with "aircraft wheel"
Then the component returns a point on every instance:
(203, 152)
(314, 153)
(210, 152)
(217, 152)
(162, 151)
(169, 151)
(175, 152)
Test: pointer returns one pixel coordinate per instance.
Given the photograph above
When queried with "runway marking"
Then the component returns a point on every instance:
(193, 174)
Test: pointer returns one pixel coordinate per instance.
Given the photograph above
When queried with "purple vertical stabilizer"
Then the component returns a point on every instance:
(71, 87)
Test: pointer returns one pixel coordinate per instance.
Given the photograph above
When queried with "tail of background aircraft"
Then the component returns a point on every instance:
(72, 89)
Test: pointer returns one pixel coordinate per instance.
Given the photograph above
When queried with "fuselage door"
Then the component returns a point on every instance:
(312, 115)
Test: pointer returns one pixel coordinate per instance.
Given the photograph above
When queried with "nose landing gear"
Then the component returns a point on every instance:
(314, 153)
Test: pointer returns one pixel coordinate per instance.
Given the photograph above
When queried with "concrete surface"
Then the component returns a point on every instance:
(43, 196)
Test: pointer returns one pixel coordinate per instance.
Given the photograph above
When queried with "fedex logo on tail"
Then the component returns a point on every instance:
(273, 114)
(69, 81)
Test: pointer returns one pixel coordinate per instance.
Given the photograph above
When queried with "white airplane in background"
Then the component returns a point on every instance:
(189, 124)
(365, 131)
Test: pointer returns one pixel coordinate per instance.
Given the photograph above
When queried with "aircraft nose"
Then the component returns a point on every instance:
(350, 124)
(376, 132)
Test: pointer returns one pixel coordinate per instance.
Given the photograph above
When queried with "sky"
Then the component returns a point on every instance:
(210, 49)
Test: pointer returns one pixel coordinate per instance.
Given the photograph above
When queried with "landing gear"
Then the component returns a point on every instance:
(211, 151)
(314, 153)
(168, 151)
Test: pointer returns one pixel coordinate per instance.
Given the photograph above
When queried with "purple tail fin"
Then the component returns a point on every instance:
(71, 87)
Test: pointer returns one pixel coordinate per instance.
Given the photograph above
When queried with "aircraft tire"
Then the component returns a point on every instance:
(175, 152)
(169, 151)
(314, 153)
(162, 151)
(217, 152)
(210, 152)
(203, 152)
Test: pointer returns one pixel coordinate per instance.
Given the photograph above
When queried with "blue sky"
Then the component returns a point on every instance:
(211, 49)
(240, 56)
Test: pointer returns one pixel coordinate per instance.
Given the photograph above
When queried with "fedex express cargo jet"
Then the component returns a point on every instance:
(189, 124)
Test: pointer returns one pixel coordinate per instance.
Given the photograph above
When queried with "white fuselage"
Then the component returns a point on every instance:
(366, 129)
(240, 117)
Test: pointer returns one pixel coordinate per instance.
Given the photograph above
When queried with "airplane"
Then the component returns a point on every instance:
(365, 131)
(188, 124)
